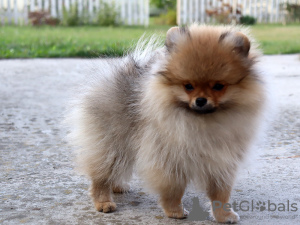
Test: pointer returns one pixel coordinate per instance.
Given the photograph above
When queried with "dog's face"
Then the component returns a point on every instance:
(206, 67)
(204, 97)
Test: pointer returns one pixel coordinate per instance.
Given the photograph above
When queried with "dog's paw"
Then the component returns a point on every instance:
(227, 217)
(177, 213)
(105, 207)
(121, 188)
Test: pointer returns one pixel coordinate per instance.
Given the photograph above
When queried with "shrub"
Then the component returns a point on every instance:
(71, 17)
(164, 4)
(293, 12)
(171, 18)
(38, 18)
(108, 15)
(247, 20)
(167, 19)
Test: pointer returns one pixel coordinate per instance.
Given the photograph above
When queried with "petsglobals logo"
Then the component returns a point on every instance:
(250, 206)
(257, 209)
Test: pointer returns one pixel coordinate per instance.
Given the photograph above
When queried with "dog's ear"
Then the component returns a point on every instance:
(176, 35)
(237, 41)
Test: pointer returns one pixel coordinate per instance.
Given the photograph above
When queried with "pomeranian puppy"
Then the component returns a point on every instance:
(183, 112)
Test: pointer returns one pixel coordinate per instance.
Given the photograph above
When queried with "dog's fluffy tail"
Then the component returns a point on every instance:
(147, 49)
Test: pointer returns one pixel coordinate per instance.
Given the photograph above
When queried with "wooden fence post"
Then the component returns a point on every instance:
(147, 3)
(46, 6)
(8, 13)
(2, 14)
(32, 5)
(141, 12)
(39, 4)
(25, 15)
(184, 19)
(53, 8)
(190, 11)
(202, 11)
(178, 12)
(16, 12)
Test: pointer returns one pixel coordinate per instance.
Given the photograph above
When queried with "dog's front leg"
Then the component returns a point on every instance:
(219, 195)
(170, 199)
(170, 189)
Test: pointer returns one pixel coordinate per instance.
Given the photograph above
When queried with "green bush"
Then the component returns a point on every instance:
(167, 19)
(171, 17)
(247, 20)
(71, 17)
(108, 15)
(164, 4)
(293, 12)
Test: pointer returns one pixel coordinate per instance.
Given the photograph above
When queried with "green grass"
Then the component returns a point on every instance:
(87, 41)
(278, 39)
(92, 41)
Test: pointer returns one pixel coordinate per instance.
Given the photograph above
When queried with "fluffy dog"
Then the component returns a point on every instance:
(185, 112)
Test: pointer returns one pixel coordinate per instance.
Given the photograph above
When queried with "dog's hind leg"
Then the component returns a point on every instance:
(121, 188)
(110, 174)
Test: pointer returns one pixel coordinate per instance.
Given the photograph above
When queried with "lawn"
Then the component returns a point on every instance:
(92, 41)
(87, 41)
(278, 39)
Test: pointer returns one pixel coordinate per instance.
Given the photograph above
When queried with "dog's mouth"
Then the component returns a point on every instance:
(207, 109)
(204, 110)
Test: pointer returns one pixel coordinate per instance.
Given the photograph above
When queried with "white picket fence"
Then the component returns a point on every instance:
(132, 12)
(265, 11)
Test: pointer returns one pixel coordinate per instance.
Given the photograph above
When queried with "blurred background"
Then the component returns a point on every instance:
(93, 28)
(38, 182)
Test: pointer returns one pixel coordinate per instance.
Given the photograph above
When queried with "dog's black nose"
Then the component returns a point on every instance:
(201, 102)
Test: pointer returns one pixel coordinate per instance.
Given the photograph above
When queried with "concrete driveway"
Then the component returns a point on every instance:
(38, 184)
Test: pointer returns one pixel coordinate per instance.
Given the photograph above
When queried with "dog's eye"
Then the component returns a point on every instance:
(189, 87)
(218, 87)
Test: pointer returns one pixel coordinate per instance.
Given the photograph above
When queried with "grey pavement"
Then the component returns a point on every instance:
(38, 183)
